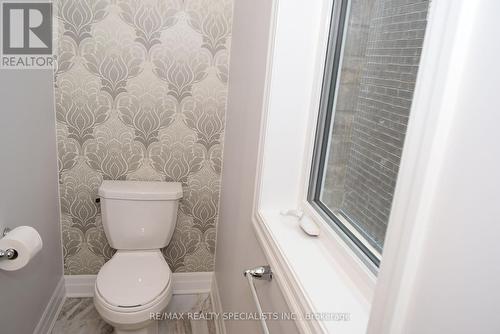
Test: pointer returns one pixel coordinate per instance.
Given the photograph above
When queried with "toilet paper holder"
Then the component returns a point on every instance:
(10, 253)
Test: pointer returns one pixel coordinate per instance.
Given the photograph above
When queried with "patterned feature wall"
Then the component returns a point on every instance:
(141, 95)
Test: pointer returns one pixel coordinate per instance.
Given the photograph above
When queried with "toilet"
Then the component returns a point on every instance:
(138, 219)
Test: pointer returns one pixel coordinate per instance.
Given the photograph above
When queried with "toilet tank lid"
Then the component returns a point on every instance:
(140, 190)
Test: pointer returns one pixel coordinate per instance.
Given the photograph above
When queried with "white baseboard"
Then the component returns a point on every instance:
(78, 286)
(183, 283)
(52, 309)
(192, 283)
(217, 307)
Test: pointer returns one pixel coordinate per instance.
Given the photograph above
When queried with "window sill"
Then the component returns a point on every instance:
(326, 286)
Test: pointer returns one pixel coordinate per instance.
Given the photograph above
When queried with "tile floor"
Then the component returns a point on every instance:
(78, 316)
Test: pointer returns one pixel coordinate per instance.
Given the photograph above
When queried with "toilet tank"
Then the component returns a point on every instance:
(139, 214)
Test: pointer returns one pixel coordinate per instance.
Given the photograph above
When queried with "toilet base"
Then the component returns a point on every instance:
(152, 328)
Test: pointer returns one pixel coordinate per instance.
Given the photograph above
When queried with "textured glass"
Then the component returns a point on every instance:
(374, 89)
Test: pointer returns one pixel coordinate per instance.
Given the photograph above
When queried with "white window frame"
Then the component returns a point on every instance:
(350, 282)
(336, 280)
(330, 69)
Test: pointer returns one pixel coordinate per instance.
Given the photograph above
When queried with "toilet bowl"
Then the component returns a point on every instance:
(136, 283)
(130, 288)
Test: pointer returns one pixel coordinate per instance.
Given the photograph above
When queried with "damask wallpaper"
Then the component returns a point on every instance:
(141, 90)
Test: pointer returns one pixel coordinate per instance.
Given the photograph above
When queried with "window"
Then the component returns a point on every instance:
(370, 73)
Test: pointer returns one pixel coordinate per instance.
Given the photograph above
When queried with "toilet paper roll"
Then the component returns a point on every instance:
(26, 241)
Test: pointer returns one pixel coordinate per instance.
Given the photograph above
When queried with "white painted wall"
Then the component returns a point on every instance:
(440, 275)
(444, 276)
(457, 285)
(237, 247)
(28, 193)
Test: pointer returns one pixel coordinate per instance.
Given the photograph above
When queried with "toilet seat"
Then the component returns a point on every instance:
(131, 318)
(133, 280)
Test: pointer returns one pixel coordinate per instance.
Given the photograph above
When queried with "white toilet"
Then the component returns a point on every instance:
(139, 219)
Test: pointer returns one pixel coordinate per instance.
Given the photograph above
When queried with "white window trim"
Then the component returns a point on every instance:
(299, 278)
(445, 51)
(336, 281)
